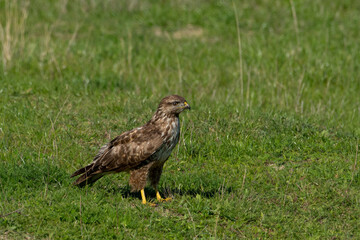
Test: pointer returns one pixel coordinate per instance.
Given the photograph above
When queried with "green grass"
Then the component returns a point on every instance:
(270, 149)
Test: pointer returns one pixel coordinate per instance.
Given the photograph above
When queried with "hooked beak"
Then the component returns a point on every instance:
(186, 105)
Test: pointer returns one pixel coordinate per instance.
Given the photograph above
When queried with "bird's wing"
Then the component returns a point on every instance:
(128, 150)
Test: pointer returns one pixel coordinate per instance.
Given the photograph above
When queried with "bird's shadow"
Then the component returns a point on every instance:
(125, 192)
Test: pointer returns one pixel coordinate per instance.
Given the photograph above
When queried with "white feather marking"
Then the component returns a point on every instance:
(174, 133)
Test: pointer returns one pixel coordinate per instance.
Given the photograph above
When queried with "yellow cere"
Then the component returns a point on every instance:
(185, 103)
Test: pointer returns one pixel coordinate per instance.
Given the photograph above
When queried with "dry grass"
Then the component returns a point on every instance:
(12, 31)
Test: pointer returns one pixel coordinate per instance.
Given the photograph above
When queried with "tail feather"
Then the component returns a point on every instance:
(82, 170)
(89, 175)
(86, 179)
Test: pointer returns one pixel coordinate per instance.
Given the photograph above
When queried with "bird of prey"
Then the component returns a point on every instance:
(142, 151)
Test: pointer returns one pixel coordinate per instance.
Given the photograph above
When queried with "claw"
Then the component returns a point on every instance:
(160, 199)
(143, 201)
(151, 204)
(164, 199)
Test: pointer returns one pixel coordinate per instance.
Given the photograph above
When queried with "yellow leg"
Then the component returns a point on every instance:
(160, 199)
(158, 196)
(143, 201)
(143, 196)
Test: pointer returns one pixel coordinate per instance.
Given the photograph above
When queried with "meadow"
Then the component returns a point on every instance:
(269, 150)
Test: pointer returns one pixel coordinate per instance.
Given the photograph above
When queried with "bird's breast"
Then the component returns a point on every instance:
(170, 136)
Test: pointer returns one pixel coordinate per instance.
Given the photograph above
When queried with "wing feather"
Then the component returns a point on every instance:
(128, 150)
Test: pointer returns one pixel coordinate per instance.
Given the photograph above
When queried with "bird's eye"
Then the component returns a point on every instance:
(175, 103)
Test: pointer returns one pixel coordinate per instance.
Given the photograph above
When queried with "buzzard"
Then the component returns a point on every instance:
(142, 151)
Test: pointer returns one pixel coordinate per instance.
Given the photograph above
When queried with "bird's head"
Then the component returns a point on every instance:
(173, 104)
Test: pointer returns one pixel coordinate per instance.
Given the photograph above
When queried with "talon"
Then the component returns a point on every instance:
(165, 199)
(143, 201)
(151, 204)
(160, 199)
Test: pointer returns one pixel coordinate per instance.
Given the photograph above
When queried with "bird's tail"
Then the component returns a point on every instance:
(89, 176)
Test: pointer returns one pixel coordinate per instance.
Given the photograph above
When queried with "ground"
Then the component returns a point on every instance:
(269, 149)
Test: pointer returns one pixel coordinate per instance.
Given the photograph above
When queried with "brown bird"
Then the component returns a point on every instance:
(142, 151)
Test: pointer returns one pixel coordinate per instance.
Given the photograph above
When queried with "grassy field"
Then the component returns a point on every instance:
(269, 149)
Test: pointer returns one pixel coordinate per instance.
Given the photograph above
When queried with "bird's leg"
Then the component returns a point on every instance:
(143, 199)
(159, 198)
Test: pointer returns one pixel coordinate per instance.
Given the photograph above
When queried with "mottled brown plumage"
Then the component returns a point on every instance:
(141, 151)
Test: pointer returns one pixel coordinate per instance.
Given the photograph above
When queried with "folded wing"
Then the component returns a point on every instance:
(127, 151)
